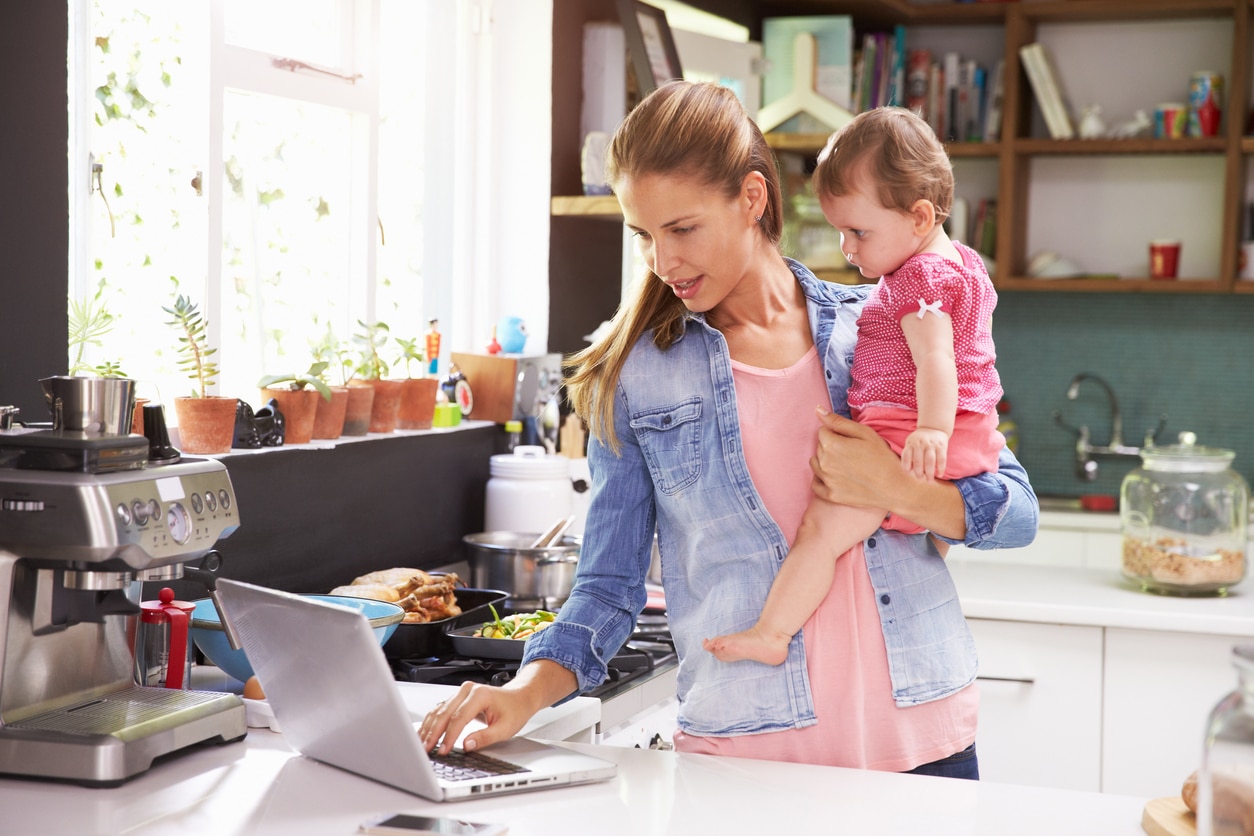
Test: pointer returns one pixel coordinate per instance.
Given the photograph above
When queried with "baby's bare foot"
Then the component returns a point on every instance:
(748, 645)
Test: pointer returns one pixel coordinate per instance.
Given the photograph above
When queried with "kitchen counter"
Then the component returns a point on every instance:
(1093, 597)
(259, 786)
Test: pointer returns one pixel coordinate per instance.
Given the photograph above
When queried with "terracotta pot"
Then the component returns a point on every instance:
(329, 418)
(299, 406)
(387, 404)
(417, 403)
(137, 422)
(357, 410)
(206, 425)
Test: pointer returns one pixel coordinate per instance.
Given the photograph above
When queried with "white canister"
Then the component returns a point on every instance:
(528, 491)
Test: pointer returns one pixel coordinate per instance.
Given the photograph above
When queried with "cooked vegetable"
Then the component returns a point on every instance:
(516, 626)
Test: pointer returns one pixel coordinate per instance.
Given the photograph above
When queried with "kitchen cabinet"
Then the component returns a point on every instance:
(1087, 682)
(1040, 704)
(1158, 690)
(1058, 194)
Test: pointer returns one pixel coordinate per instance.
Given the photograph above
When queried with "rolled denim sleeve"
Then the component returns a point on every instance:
(1001, 508)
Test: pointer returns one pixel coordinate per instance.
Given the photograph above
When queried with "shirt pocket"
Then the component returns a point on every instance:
(670, 438)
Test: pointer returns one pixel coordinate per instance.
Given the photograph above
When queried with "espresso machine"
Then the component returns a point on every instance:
(85, 517)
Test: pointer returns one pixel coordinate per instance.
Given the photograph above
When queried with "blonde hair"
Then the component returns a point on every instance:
(695, 130)
(898, 150)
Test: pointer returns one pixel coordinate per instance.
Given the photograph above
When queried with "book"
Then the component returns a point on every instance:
(951, 121)
(604, 78)
(992, 109)
(1039, 67)
(918, 69)
(833, 77)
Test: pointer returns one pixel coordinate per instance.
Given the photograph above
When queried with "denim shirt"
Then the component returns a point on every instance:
(682, 468)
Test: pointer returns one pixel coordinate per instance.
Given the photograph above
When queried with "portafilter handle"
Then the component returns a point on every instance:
(207, 574)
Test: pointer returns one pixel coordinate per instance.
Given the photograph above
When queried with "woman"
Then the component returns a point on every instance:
(700, 403)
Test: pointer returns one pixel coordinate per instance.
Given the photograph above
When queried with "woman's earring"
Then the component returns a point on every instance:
(757, 219)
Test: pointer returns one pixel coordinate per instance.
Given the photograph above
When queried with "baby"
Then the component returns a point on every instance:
(923, 367)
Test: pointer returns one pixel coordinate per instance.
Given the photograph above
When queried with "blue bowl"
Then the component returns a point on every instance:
(206, 629)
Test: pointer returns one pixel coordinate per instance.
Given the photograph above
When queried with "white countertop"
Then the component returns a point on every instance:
(259, 786)
(1093, 597)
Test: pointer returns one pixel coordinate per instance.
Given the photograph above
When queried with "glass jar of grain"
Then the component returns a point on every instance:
(1184, 514)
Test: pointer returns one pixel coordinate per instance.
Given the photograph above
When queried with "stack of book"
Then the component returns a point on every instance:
(957, 96)
(1039, 67)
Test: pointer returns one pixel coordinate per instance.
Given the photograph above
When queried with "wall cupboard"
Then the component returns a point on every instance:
(1111, 52)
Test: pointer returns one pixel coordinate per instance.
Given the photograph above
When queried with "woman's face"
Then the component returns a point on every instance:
(875, 239)
(696, 240)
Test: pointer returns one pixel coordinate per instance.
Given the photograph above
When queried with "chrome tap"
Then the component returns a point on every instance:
(1085, 450)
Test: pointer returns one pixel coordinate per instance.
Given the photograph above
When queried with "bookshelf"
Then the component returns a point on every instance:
(1024, 160)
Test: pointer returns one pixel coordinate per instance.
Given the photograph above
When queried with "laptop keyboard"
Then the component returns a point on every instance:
(463, 766)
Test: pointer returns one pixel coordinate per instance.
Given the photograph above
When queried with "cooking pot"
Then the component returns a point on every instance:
(533, 577)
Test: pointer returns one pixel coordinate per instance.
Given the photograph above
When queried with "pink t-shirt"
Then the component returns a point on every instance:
(859, 725)
(883, 370)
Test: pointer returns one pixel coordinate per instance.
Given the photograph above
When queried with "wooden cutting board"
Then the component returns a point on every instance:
(1168, 817)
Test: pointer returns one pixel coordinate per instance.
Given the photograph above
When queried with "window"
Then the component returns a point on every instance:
(360, 175)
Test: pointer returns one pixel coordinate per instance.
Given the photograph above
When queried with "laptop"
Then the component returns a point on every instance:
(331, 689)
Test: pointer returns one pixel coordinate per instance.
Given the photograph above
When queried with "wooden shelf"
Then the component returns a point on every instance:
(813, 143)
(584, 206)
(1104, 285)
(1247, 145)
(1041, 147)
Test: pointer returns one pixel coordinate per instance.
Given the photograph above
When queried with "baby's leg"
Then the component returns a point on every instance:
(827, 531)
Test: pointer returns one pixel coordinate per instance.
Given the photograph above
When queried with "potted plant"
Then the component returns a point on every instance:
(89, 321)
(206, 423)
(417, 408)
(332, 413)
(298, 396)
(373, 369)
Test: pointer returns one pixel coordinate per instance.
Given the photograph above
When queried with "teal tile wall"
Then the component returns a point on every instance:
(1189, 357)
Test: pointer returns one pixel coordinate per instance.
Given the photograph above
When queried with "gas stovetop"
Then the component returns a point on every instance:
(648, 652)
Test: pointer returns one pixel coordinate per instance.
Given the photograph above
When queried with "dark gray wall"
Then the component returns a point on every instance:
(34, 202)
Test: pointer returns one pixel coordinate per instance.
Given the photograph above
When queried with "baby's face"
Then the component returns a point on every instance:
(874, 238)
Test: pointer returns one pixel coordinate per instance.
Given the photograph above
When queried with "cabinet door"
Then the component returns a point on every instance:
(1159, 691)
(1040, 703)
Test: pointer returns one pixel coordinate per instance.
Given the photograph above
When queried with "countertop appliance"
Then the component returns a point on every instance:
(78, 535)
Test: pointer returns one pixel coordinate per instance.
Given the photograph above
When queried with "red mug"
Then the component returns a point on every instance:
(1164, 259)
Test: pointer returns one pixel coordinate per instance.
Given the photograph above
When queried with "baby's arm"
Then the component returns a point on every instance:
(931, 343)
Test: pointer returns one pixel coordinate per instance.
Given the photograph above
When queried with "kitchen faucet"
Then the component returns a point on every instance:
(1085, 450)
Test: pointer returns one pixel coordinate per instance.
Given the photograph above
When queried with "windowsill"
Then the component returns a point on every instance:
(342, 441)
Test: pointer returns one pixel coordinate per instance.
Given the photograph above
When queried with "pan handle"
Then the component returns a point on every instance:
(207, 574)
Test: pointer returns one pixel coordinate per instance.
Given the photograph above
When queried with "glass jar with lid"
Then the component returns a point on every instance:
(1184, 515)
(1225, 781)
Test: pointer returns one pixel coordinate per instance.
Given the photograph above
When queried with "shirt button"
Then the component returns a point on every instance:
(829, 375)
(871, 542)
(666, 422)
(884, 599)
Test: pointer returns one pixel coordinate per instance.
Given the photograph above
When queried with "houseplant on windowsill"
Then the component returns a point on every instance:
(206, 423)
(298, 403)
(331, 415)
(417, 409)
(373, 369)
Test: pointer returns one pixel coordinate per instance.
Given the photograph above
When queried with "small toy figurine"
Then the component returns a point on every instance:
(512, 333)
(1137, 126)
(1092, 126)
(494, 347)
(433, 347)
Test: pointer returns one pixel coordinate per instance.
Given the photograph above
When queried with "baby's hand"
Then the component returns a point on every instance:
(924, 453)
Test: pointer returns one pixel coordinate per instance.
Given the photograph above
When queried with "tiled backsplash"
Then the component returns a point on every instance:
(1190, 357)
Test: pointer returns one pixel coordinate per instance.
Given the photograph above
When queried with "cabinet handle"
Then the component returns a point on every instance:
(1026, 680)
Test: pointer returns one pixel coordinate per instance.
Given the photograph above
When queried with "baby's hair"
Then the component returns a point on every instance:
(900, 153)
